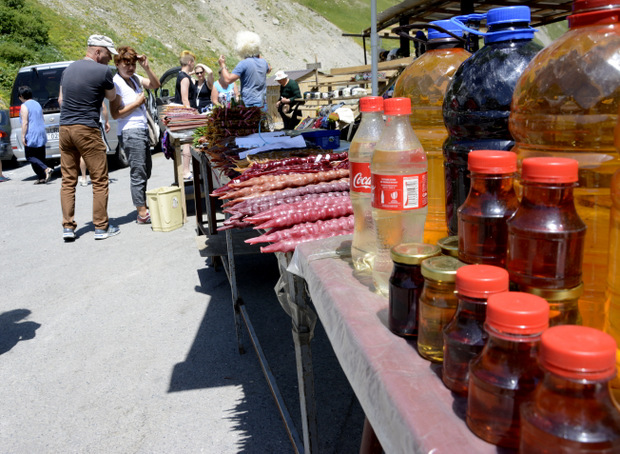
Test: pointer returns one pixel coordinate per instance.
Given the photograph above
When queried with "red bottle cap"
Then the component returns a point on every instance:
(594, 12)
(397, 106)
(480, 281)
(578, 353)
(492, 161)
(517, 313)
(549, 170)
(371, 104)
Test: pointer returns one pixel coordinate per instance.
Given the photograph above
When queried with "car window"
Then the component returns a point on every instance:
(45, 85)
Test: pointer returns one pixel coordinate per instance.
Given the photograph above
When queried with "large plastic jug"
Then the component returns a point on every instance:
(612, 322)
(425, 82)
(477, 103)
(566, 105)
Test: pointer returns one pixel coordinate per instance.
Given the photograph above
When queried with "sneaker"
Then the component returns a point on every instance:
(3, 179)
(48, 174)
(83, 182)
(101, 234)
(144, 220)
(68, 235)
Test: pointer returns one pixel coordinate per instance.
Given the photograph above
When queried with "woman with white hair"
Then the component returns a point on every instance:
(252, 70)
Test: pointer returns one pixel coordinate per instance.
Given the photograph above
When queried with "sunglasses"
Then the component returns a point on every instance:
(201, 72)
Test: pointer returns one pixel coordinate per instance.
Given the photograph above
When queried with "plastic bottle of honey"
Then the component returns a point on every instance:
(492, 200)
(572, 410)
(425, 82)
(437, 304)
(506, 373)
(546, 235)
(566, 105)
(477, 103)
(360, 155)
(612, 323)
(399, 188)
(406, 284)
(464, 336)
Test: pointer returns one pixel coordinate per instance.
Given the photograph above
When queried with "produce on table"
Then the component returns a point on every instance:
(306, 230)
(302, 206)
(259, 204)
(274, 182)
(224, 122)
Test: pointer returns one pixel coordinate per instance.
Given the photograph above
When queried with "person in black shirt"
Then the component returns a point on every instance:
(287, 106)
(204, 85)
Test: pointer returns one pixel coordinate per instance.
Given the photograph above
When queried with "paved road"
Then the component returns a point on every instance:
(127, 345)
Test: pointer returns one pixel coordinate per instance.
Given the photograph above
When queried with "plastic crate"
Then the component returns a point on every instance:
(324, 138)
(165, 208)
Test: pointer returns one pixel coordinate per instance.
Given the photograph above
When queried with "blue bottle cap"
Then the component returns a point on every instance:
(447, 25)
(506, 16)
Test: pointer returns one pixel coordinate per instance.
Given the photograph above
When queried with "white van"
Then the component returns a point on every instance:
(44, 81)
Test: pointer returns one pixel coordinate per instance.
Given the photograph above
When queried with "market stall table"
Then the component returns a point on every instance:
(222, 249)
(402, 394)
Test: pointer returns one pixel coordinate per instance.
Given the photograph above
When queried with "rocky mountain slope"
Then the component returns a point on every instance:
(292, 35)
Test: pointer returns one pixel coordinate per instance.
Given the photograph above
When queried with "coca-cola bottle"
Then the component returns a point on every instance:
(360, 154)
(399, 188)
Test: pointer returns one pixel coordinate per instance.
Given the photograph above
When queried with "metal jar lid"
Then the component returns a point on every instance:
(449, 245)
(413, 253)
(441, 268)
(558, 294)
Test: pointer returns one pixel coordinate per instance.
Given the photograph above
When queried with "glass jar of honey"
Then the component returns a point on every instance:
(406, 283)
(437, 304)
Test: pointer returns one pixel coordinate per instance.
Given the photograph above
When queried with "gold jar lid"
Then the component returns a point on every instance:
(441, 268)
(449, 245)
(413, 253)
(558, 294)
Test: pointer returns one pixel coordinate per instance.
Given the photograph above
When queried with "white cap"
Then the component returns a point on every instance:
(280, 75)
(102, 41)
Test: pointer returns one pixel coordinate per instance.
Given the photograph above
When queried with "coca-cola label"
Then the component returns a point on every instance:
(360, 177)
(399, 192)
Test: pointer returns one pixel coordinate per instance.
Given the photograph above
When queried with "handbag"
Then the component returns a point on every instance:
(153, 129)
(152, 126)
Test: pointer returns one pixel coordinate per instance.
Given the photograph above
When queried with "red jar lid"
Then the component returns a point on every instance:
(397, 106)
(593, 12)
(578, 353)
(517, 313)
(492, 161)
(549, 170)
(480, 281)
(371, 104)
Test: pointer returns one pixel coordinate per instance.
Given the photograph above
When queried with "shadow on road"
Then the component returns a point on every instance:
(11, 332)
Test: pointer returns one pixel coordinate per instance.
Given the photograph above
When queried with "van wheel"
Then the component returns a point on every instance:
(120, 157)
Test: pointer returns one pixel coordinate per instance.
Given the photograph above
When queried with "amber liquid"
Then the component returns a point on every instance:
(463, 340)
(567, 417)
(612, 320)
(503, 377)
(483, 232)
(437, 306)
(425, 82)
(546, 239)
(406, 284)
(566, 105)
